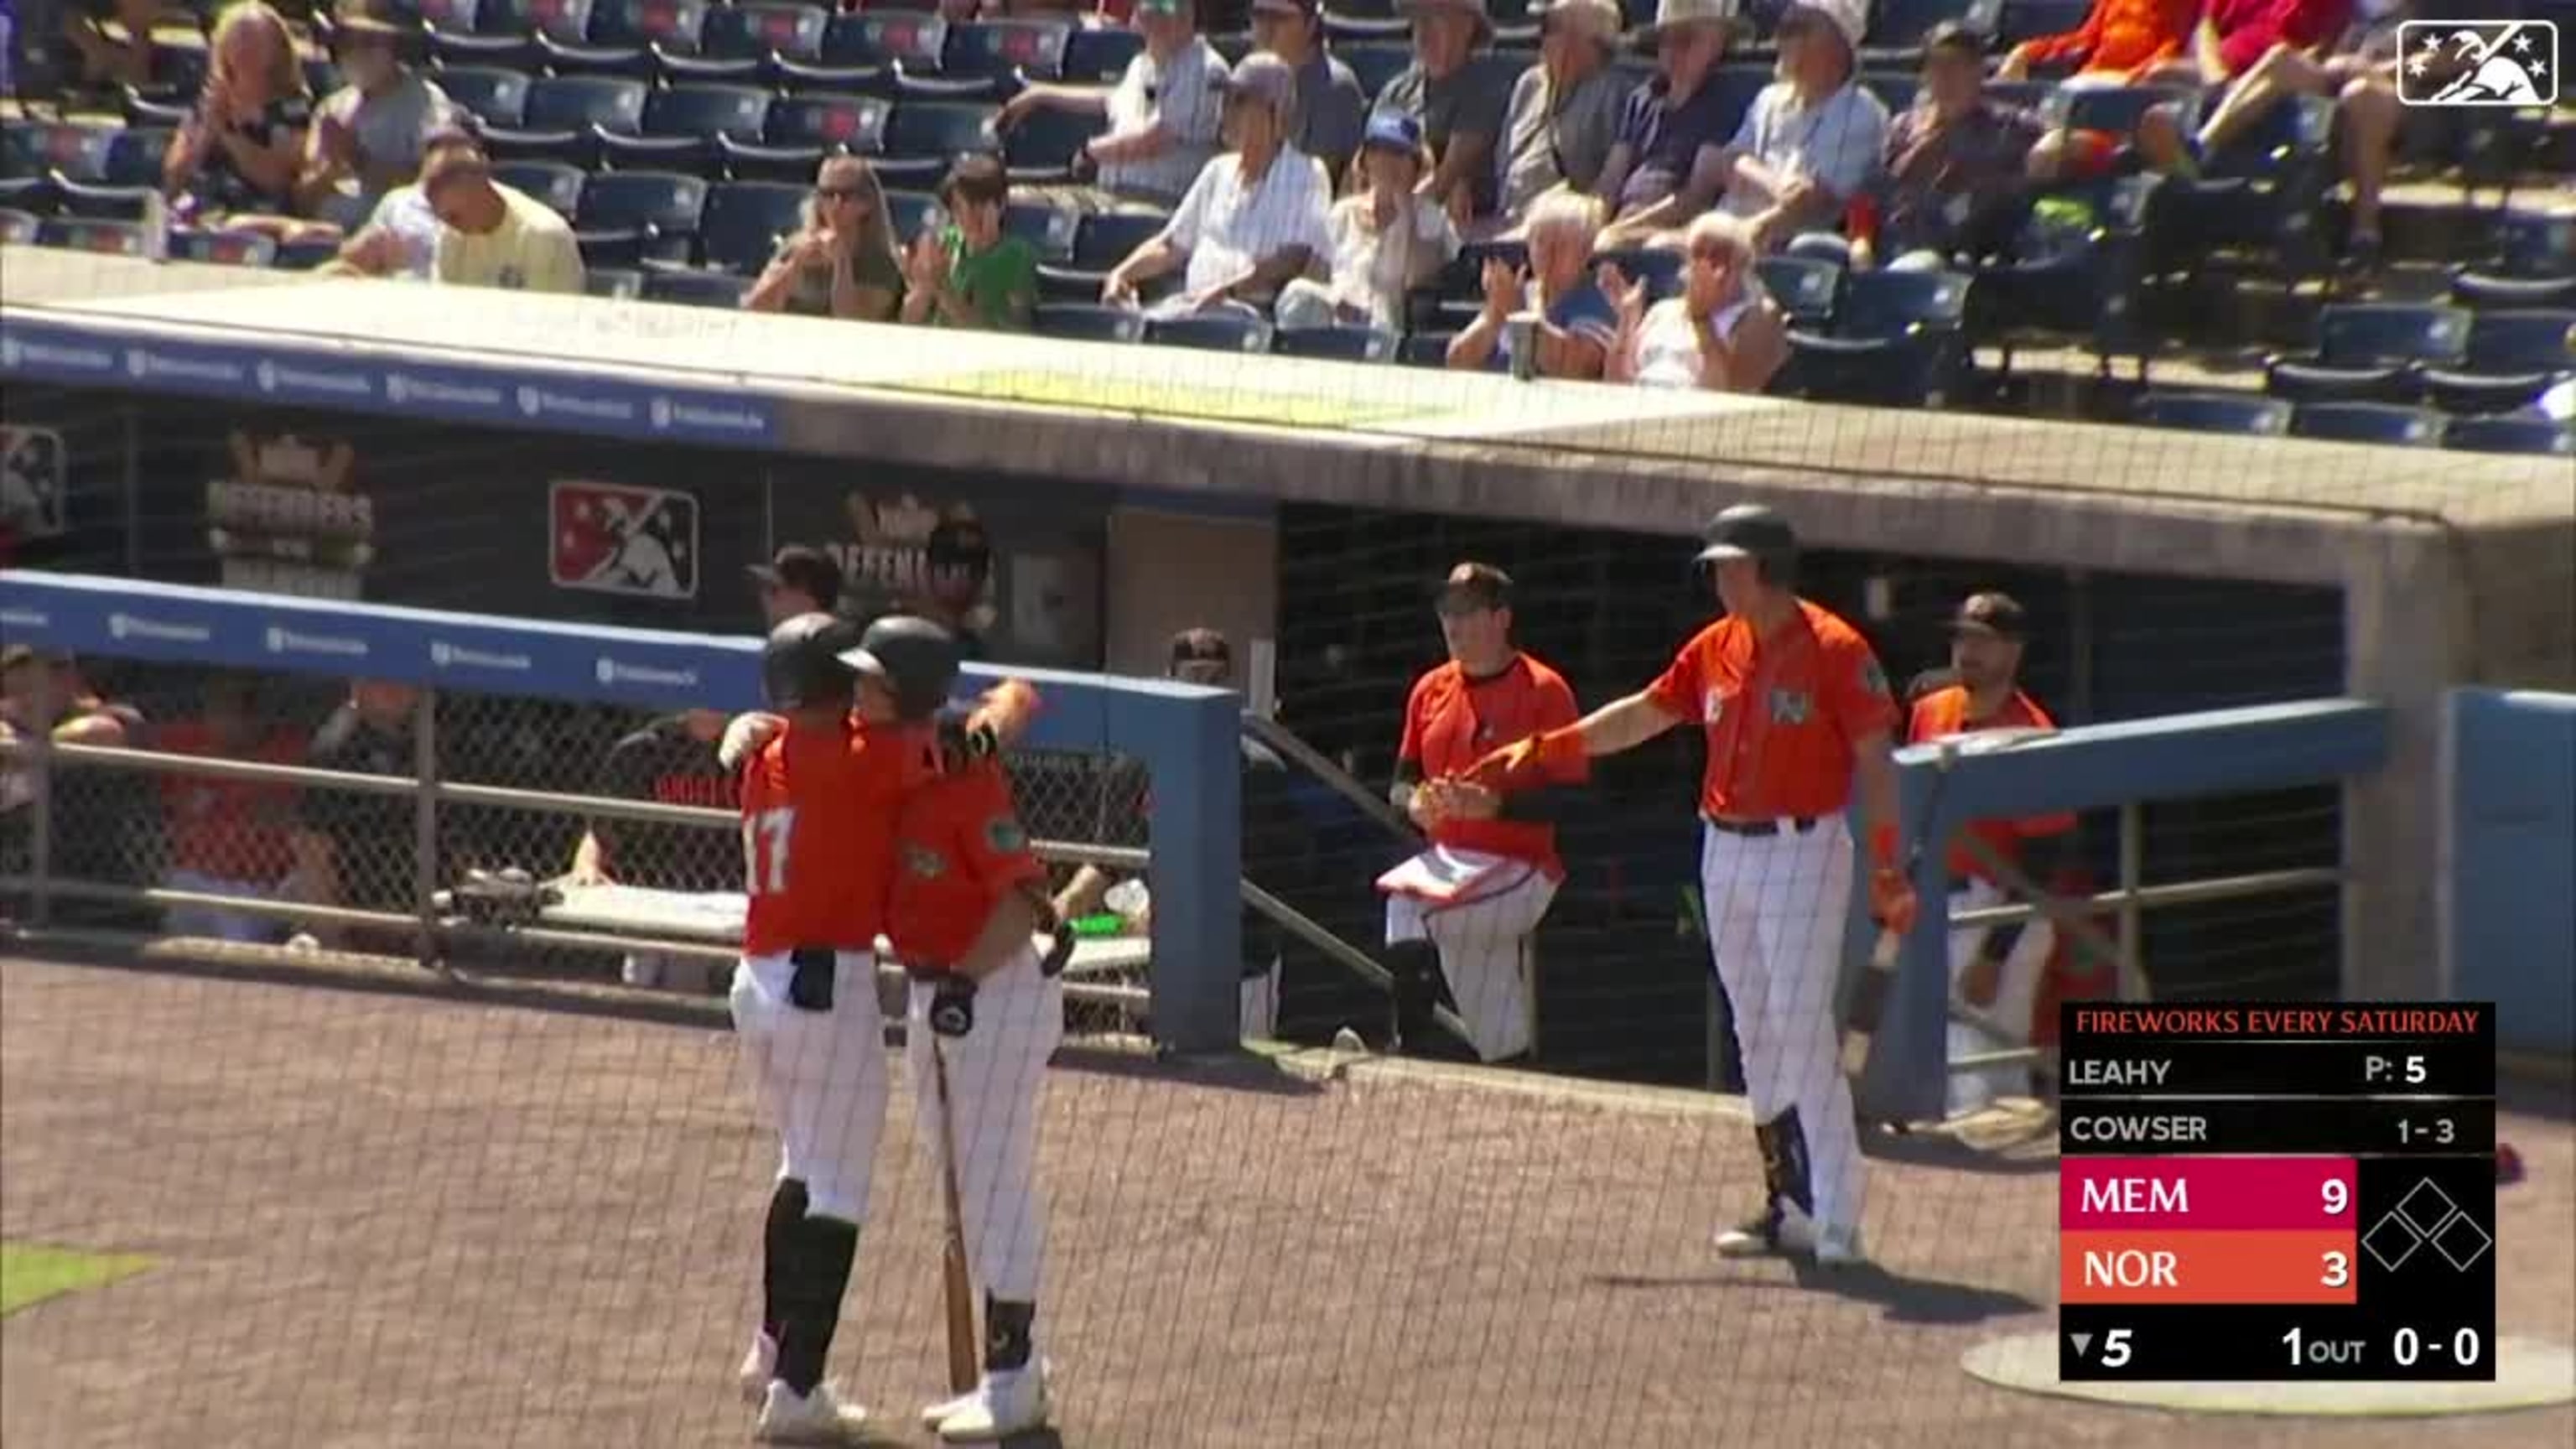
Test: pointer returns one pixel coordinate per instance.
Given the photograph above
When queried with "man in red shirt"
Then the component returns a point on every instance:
(1986, 638)
(228, 837)
(1465, 908)
(1798, 718)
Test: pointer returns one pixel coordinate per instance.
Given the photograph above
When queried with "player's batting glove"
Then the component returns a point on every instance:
(744, 737)
(960, 744)
(952, 1005)
(1891, 899)
(1004, 713)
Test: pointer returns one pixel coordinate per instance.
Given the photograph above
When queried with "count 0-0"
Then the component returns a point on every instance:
(2408, 1071)
(2407, 1346)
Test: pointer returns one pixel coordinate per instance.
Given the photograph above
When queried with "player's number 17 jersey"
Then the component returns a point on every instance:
(818, 821)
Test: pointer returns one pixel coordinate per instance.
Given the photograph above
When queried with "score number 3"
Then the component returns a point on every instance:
(2338, 1201)
(764, 845)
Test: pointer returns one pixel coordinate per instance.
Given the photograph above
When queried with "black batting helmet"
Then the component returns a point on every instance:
(801, 665)
(1749, 530)
(914, 656)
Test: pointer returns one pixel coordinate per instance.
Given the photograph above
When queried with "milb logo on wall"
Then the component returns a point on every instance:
(34, 472)
(613, 539)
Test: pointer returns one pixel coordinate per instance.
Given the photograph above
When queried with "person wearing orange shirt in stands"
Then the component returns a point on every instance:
(1798, 718)
(2120, 42)
(1465, 908)
(1986, 639)
(226, 836)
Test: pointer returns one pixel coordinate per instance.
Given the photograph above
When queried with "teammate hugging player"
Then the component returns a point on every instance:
(986, 1014)
(1797, 713)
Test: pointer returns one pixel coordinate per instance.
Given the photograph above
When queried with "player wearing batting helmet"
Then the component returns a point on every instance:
(1797, 716)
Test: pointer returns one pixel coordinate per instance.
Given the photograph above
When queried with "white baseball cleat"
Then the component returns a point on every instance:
(759, 1366)
(1772, 1232)
(934, 1415)
(1838, 1246)
(788, 1417)
(1006, 1403)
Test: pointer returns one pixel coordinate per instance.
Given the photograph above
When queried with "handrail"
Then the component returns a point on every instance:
(1340, 781)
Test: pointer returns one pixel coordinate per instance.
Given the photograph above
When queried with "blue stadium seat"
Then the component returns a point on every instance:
(1894, 89)
(1425, 349)
(1805, 288)
(2116, 109)
(566, 116)
(2263, 193)
(2029, 19)
(557, 185)
(1660, 268)
(224, 248)
(1737, 85)
(448, 17)
(681, 125)
(801, 131)
(2513, 357)
(628, 37)
(2527, 432)
(111, 182)
(19, 228)
(113, 238)
(923, 137)
(1348, 24)
(1099, 57)
(1089, 322)
(2372, 352)
(1896, 27)
(1100, 241)
(1375, 63)
(2043, 285)
(1008, 51)
(745, 220)
(143, 109)
(1897, 339)
(1043, 225)
(496, 96)
(646, 216)
(1210, 332)
(822, 78)
(689, 287)
(746, 42)
(2241, 414)
(2389, 424)
(885, 37)
(2535, 264)
(1040, 150)
(1339, 344)
(505, 32)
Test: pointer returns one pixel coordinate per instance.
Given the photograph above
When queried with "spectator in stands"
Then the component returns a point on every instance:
(670, 761)
(491, 235)
(1564, 112)
(1955, 161)
(1722, 334)
(972, 273)
(1574, 323)
(1388, 238)
(1459, 100)
(2120, 41)
(1813, 138)
(1330, 105)
(400, 238)
(369, 136)
(842, 262)
(354, 850)
(1253, 220)
(797, 580)
(225, 836)
(122, 58)
(1163, 113)
(234, 162)
(1667, 160)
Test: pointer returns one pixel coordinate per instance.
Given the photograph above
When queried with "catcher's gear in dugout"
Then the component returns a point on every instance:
(914, 656)
(801, 665)
(1749, 530)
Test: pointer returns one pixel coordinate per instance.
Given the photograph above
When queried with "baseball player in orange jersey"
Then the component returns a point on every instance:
(1465, 909)
(1797, 715)
(1986, 638)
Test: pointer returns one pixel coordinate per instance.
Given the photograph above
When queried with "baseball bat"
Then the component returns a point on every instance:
(954, 1280)
(1878, 981)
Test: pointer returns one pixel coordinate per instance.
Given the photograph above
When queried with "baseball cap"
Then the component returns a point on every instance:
(1992, 612)
(1393, 131)
(1747, 530)
(959, 543)
(1951, 37)
(1848, 18)
(1475, 586)
(809, 571)
(1201, 646)
(1262, 76)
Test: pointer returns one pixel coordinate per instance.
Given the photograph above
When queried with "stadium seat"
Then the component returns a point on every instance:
(1425, 349)
(557, 185)
(1737, 86)
(224, 248)
(2390, 424)
(647, 216)
(923, 137)
(1340, 344)
(1804, 287)
(628, 37)
(1089, 322)
(1040, 150)
(1009, 53)
(2072, 270)
(689, 287)
(2263, 193)
(2237, 413)
(745, 220)
(2115, 109)
(1210, 332)
(2372, 352)
(1099, 57)
(746, 42)
(906, 211)
(1375, 63)
(505, 32)
(800, 131)
(448, 17)
(109, 173)
(1100, 241)
(681, 125)
(18, 228)
(2513, 357)
(1660, 268)
(143, 109)
(1896, 27)
(566, 117)
(618, 282)
(1894, 89)
(1043, 225)
(2535, 264)
(885, 37)
(115, 238)
(1897, 339)
(497, 97)
(2525, 432)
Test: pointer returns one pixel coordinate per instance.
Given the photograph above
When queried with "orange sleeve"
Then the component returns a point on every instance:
(1556, 709)
(991, 844)
(1678, 689)
(1408, 750)
(1861, 702)
(2071, 44)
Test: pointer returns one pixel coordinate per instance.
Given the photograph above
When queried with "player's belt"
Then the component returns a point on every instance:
(1759, 829)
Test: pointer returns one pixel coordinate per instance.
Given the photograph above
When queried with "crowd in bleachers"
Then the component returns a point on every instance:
(1826, 198)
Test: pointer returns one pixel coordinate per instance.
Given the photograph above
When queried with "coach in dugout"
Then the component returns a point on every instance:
(1986, 639)
(796, 580)
(670, 761)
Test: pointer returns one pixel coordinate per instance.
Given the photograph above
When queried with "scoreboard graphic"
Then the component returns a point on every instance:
(2277, 1193)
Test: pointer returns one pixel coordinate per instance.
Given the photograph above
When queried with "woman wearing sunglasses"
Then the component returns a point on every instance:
(842, 261)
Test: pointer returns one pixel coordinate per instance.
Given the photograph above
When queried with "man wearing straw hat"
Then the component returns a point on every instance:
(1459, 101)
(368, 137)
(1565, 109)
(1667, 160)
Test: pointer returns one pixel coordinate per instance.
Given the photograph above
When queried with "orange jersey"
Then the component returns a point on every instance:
(818, 825)
(1452, 721)
(959, 849)
(2123, 36)
(1945, 712)
(235, 830)
(1782, 714)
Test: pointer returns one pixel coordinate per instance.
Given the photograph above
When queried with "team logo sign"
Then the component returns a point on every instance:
(35, 475)
(612, 539)
(2478, 63)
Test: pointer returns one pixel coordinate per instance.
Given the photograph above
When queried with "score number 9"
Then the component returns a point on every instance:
(2337, 1195)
